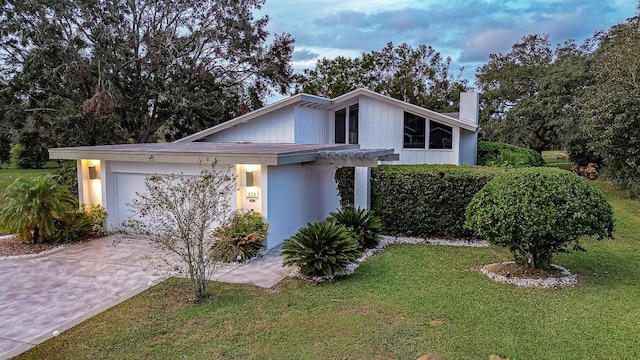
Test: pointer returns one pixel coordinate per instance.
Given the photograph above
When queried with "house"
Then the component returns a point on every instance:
(285, 155)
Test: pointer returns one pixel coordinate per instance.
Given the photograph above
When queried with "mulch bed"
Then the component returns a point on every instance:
(513, 269)
(11, 246)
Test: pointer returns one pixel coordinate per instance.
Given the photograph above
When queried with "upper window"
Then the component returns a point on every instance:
(353, 124)
(340, 128)
(440, 136)
(414, 131)
(346, 126)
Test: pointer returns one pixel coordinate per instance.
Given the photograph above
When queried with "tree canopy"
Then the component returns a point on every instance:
(529, 94)
(419, 76)
(121, 71)
(611, 105)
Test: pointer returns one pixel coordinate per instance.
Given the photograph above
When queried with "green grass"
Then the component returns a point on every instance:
(385, 311)
(556, 159)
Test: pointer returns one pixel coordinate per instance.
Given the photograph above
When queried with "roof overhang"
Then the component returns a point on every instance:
(230, 153)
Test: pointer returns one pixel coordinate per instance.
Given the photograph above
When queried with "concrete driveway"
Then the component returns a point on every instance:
(57, 291)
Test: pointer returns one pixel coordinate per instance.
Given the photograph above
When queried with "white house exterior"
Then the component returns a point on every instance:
(285, 155)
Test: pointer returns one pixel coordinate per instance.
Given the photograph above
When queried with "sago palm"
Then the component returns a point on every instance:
(32, 205)
(321, 249)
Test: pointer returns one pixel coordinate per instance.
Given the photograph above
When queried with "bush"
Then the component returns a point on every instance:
(538, 212)
(506, 155)
(321, 249)
(362, 224)
(34, 205)
(589, 172)
(97, 217)
(241, 238)
(426, 200)
(67, 175)
(76, 226)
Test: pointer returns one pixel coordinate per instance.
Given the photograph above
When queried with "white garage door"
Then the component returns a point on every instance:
(126, 187)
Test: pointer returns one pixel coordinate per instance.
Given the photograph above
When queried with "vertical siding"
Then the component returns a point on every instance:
(382, 125)
(274, 127)
(298, 195)
(309, 125)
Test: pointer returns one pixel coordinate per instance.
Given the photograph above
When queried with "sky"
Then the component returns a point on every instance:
(465, 30)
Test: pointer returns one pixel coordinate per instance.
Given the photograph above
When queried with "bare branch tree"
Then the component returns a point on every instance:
(179, 214)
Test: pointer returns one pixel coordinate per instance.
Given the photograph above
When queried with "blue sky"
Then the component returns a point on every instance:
(466, 30)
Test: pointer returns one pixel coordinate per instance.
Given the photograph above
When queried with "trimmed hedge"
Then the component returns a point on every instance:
(344, 177)
(507, 155)
(421, 200)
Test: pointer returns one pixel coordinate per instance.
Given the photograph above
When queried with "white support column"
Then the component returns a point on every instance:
(362, 187)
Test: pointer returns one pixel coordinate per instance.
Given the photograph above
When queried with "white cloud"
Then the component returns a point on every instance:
(468, 30)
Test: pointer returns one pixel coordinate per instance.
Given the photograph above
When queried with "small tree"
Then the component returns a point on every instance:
(179, 215)
(34, 205)
(538, 212)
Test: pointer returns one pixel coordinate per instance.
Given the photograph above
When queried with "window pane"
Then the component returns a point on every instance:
(341, 120)
(353, 124)
(414, 131)
(440, 136)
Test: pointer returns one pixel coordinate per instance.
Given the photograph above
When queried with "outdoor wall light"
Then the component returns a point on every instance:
(93, 172)
(249, 178)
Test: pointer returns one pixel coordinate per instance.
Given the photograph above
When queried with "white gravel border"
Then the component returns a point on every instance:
(567, 278)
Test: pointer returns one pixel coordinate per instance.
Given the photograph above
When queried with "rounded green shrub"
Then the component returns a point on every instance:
(321, 249)
(241, 238)
(538, 212)
(362, 224)
(506, 155)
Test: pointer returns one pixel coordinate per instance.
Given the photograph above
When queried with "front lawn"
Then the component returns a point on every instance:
(407, 301)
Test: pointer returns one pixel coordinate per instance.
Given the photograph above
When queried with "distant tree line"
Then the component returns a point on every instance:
(585, 99)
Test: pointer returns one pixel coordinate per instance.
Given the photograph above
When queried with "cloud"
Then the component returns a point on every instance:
(466, 30)
(304, 54)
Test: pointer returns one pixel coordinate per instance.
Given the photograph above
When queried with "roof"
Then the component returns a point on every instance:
(228, 153)
(318, 102)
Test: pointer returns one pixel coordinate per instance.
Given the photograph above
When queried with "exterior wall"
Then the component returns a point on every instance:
(297, 195)
(274, 127)
(309, 125)
(468, 147)
(381, 126)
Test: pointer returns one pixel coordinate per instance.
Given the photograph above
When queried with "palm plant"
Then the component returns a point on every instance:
(33, 205)
(362, 224)
(321, 249)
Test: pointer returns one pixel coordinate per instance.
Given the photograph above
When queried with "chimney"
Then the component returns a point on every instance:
(469, 107)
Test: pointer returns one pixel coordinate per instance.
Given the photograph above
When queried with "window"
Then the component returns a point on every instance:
(341, 120)
(414, 131)
(353, 124)
(342, 126)
(440, 136)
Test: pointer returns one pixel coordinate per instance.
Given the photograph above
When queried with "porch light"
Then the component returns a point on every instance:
(93, 172)
(249, 178)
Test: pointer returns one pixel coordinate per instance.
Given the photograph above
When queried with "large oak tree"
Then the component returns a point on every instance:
(529, 94)
(611, 105)
(89, 72)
